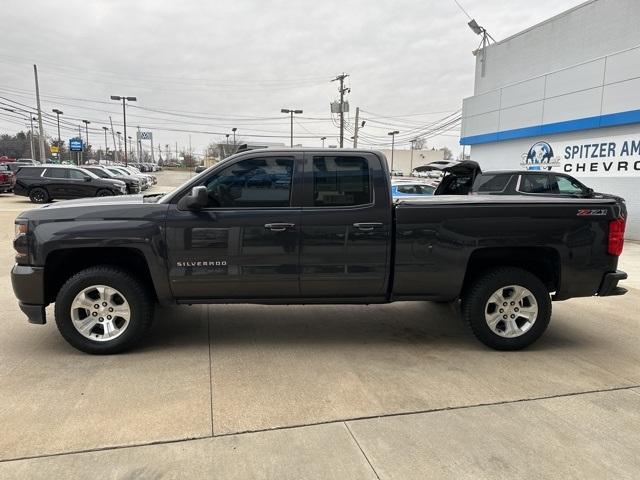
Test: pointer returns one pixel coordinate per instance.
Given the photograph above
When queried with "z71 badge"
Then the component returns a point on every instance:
(587, 212)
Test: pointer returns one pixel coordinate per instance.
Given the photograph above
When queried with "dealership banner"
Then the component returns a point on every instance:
(615, 156)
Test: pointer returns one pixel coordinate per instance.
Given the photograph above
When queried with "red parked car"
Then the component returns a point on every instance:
(7, 179)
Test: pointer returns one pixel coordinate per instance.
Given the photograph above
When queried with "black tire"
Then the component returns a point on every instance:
(39, 195)
(104, 193)
(476, 298)
(136, 294)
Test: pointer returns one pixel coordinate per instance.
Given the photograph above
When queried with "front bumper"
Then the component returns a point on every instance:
(28, 286)
(609, 286)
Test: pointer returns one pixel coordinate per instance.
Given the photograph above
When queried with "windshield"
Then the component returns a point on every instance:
(99, 172)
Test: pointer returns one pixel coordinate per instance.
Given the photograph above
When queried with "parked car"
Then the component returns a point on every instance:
(45, 183)
(200, 169)
(533, 182)
(133, 183)
(7, 178)
(15, 166)
(466, 177)
(145, 181)
(334, 235)
(410, 189)
(135, 171)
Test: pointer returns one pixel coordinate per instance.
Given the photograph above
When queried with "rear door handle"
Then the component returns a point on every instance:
(367, 227)
(279, 227)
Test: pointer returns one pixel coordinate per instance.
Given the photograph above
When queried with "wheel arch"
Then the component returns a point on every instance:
(62, 264)
(543, 262)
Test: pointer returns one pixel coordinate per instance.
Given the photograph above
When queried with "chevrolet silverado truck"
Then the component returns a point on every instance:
(306, 226)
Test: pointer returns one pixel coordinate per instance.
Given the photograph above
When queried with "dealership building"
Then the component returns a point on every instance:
(564, 95)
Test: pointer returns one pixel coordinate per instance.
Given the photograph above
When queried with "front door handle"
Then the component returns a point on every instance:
(279, 227)
(367, 227)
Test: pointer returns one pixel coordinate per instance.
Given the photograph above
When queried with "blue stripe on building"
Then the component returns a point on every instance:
(587, 123)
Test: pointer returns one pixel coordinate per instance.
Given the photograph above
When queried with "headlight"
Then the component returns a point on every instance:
(20, 229)
(20, 243)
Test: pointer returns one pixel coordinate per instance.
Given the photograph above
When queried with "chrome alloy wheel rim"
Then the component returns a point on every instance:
(511, 311)
(100, 313)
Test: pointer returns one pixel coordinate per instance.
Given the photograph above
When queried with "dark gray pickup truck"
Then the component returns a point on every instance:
(310, 226)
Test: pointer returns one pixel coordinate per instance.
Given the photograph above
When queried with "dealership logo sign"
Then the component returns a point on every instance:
(615, 156)
(540, 157)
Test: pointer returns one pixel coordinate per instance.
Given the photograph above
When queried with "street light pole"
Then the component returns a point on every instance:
(124, 117)
(31, 119)
(291, 112)
(105, 141)
(120, 142)
(393, 138)
(413, 146)
(58, 113)
(323, 139)
(234, 138)
(86, 129)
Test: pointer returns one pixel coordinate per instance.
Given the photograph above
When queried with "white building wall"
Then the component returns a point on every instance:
(572, 80)
(590, 30)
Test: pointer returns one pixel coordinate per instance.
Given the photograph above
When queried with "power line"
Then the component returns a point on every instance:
(462, 9)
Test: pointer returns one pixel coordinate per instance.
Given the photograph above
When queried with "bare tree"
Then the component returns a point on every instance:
(419, 143)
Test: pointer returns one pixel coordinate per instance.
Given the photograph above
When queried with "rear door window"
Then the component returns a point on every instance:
(341, 181)
(491, 183)
(77, 175)
(536, 183)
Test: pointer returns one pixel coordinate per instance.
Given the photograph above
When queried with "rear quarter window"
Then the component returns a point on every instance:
(30, 172)
(491, 183)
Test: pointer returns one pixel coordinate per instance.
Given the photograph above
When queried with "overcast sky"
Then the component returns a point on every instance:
(200, 66)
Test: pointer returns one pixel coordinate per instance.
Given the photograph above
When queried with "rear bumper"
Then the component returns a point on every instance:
(609, 286)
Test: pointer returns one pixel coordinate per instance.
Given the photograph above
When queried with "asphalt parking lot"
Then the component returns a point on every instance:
(397, 391)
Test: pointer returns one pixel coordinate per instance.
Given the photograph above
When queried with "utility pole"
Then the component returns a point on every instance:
(177, 148)
(355, 135)
(40, 128)
(342, 91)
(234, 139)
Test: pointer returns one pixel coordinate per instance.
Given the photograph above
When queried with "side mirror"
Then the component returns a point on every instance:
(196, 200)
(589, 193)
(87, 179)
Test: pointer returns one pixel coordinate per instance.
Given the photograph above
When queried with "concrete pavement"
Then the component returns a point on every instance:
(394, 391)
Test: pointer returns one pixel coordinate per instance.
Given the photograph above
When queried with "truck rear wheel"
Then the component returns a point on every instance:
(103, 310)
(507, 308)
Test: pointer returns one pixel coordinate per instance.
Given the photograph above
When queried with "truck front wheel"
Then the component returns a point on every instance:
(507, 308)
(103, 310)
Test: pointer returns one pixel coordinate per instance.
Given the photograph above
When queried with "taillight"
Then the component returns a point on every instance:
(616, 237)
